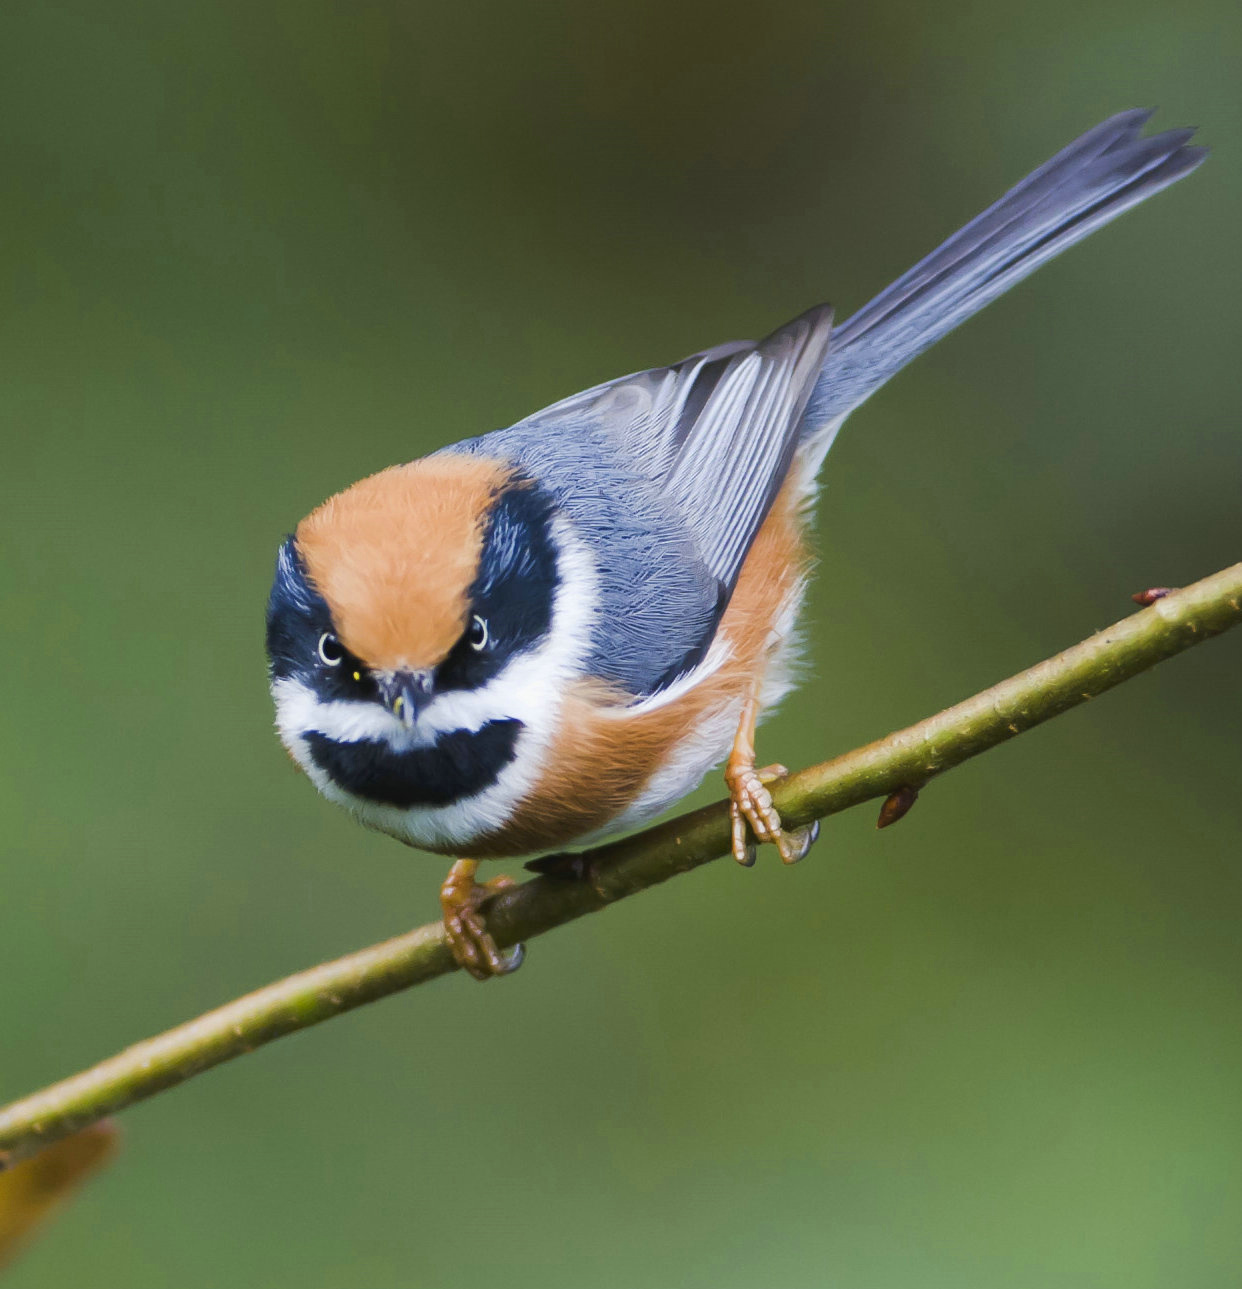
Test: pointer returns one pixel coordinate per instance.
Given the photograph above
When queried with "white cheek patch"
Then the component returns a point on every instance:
(530, 689)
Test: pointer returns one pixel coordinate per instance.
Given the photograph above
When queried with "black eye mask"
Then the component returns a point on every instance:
(514, 590)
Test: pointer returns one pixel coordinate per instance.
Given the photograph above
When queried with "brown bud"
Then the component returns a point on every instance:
(896, 806)
(1152, 595)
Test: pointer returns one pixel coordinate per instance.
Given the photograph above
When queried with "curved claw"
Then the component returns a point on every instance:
(800, 842)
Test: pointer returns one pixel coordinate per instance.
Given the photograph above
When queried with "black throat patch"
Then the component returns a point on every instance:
(458, 765)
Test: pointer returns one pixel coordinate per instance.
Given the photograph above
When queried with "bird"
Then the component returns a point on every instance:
(551, 633)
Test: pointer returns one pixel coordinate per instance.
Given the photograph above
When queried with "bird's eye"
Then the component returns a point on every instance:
(330, 650)
(478, 635)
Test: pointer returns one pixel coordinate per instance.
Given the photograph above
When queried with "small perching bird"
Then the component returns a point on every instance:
(552, 632)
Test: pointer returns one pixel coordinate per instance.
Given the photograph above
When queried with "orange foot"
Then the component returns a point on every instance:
(750, 803)
(472, 945)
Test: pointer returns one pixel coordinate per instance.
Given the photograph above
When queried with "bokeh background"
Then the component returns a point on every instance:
(254, 251)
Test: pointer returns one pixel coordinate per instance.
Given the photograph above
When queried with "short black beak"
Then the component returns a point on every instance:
(405, 694)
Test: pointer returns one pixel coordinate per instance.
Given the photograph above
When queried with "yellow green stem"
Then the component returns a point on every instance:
(902, 761)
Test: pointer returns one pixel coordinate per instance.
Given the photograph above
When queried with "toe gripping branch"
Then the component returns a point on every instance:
(471, 943)
(753, 817)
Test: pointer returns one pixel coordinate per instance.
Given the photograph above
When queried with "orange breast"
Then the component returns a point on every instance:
(604, 753)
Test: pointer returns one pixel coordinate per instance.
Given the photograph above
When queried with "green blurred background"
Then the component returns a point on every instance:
(252, 252)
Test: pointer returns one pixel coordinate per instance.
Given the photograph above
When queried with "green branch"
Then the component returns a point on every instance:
(894, 768)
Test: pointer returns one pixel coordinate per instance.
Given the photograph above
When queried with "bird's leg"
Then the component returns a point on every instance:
(468, 938)
(750, 802)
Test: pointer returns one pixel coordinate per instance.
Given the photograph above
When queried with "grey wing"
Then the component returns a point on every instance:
(716, 432)
(667, 476)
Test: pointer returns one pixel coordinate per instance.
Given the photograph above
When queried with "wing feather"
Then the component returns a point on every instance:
(715, 432)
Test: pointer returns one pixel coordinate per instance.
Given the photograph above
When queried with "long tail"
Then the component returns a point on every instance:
(1106, 171)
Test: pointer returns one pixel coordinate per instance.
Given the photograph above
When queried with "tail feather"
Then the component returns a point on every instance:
(1106, 171)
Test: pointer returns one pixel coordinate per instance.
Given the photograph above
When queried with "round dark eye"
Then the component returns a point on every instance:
(330, 650)
(478, 636)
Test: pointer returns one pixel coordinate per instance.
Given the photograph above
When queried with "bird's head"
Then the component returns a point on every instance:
(399, 610)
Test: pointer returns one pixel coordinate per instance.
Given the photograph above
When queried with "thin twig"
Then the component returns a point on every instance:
(899, 764)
